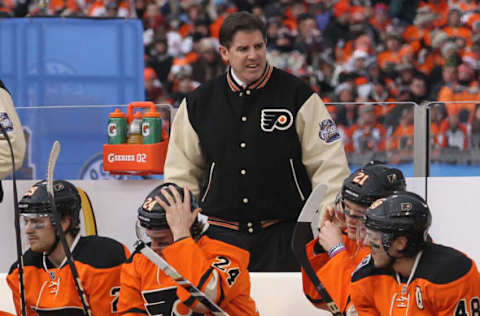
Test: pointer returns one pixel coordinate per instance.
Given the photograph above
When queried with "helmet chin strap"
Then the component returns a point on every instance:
(57, 239)
(54, 246)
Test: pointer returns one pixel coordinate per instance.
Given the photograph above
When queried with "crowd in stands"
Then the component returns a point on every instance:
(347, 50)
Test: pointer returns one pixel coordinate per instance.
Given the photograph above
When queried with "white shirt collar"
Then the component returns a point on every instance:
(237, 80)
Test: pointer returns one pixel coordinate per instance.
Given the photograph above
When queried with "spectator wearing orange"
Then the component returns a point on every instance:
(367, 135)
(192, 13)
(466, 88)
(388, 59)
(402, 136)
(380, 94)
(456, 30)
(6, 8)
(420, 31)
(454, 133)
(440, 7)
(380, 19)
(428, 58)
(293, 10)
(438, 117)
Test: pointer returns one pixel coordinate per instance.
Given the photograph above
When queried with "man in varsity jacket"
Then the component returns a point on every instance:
(170, 218)
(337, 250)
(49, 283)
(10, 122)
(251, 144)
(407, 274)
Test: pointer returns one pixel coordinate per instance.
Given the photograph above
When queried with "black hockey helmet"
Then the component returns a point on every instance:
(67, 199)
(151, 215)
(371, 182)
(67, 202)
(401, 214)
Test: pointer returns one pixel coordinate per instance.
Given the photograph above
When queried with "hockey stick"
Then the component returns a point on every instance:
(17, 226)
(140, 246)
(55, 151)
(302, 235)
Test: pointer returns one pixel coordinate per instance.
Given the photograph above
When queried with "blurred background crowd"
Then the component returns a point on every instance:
(350, 51)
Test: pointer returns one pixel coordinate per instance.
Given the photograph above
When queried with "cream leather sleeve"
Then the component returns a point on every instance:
(16, 136)
(324, 160)
(184, 164)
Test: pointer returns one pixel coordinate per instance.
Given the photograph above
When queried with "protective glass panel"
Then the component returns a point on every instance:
(381, 131)
(455, 138)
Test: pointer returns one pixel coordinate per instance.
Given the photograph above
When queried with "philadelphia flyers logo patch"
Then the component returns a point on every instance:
(271, 119)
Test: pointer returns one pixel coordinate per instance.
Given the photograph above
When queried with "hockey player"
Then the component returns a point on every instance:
(337, 251)
(171, 219)
(49, 284)
(407, 274)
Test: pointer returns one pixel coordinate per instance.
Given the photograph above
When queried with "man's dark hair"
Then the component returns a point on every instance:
(240, 21)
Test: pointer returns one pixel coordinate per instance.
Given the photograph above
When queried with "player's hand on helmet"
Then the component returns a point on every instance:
(179, 216)
(329, 235)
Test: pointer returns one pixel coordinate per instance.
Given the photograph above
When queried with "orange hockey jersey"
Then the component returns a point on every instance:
(446, 282)
(51, 291)
(334, 273)
(214, 267)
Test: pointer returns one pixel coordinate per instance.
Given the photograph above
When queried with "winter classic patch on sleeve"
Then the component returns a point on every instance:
(5, 122)
(328, 131)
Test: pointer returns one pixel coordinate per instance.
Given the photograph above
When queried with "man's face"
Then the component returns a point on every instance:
(449, 74)
(246, 55)
(373, 240)
(161, 238)
(353, 215)
(418, 87)
(39, 231)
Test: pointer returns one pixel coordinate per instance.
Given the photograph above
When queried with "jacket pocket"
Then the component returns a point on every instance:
(295, 179)
(210, 177)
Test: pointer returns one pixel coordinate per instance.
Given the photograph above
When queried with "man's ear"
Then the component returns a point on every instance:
(224, 53)
(66, 221)
(400, 243)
